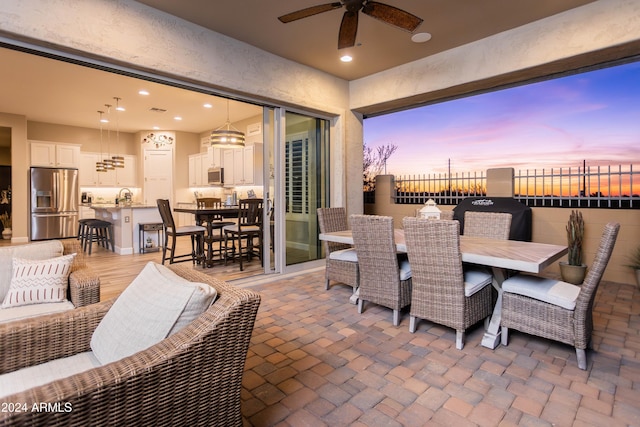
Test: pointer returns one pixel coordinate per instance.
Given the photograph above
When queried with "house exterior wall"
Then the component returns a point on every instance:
(129, 34)
(584, 32)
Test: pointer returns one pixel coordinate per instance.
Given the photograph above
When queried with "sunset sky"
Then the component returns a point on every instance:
(592, 116)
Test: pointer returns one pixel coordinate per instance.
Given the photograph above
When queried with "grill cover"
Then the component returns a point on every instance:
(520, 213)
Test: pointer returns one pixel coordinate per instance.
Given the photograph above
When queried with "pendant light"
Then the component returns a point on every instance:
(225, 136)
(118, 161)
(108, 162)
(100, 164)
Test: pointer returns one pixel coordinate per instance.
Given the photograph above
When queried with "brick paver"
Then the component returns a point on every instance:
(313, 360)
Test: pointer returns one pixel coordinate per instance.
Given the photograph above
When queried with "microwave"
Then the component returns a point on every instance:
(215, 176)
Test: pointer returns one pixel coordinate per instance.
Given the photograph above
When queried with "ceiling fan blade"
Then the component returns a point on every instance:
(392, 15)
(348, 30)
(310, 11)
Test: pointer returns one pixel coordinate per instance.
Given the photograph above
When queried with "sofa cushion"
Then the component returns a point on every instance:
(38, 281)
(34, 376)
(35, 250)
(26, 311)
(146, 313)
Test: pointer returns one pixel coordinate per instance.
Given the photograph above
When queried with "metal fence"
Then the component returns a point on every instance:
(586, 187)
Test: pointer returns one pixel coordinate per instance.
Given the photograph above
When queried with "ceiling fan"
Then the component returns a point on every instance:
(349, 26)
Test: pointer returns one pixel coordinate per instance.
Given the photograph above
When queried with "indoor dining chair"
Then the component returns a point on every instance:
(553, 309)
(248, 227)
(216, 225)
(385, 275)
(341, 258)
(442, 292)
(195, 232)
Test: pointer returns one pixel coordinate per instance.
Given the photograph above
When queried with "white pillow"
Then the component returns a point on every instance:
(200, 300)
(38, 281)
(35, 250)
(146, 312)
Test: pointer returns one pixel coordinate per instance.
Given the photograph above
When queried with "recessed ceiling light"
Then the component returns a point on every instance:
(143, 92)
(207, 105)
(156, 128)
(346, 58)
(177, 118)
(421, 37)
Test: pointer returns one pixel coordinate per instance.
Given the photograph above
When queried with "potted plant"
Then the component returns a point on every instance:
(634, 262)
(574, 271)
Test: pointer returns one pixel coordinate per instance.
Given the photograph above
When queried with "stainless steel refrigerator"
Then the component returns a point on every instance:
(54, 203)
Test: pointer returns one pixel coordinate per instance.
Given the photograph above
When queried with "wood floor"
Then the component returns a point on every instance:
(117, 271)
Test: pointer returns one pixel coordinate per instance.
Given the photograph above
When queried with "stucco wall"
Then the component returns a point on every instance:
(593, 27)
(133, 35)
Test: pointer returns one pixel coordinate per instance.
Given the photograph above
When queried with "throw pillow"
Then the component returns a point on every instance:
(38, 281)
(201, 299)
(34, 250)
(143, 315)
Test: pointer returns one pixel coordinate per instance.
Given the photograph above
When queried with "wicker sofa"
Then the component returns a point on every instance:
(84, 284)
(192, 377)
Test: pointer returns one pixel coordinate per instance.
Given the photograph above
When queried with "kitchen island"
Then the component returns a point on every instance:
(126, 219)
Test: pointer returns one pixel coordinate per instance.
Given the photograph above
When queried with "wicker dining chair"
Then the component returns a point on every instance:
(385, 275)
(443, 292)
(341, 258)
(195, 232)
(553, 309)
(492, 225)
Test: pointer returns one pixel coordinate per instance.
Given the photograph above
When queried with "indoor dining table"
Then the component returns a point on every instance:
(207, 217)
(500, 255)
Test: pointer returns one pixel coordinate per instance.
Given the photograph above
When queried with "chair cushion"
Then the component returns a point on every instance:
(234, 228)
(35, 250)
(348, 255)
(554, 292)
(146, 313)
(38, 281)
(34, 376)
(474, 280)
(405, 269)
(190, 229)
(26, 311)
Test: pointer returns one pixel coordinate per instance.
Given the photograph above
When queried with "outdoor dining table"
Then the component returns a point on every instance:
(207, 217)
(500, 255)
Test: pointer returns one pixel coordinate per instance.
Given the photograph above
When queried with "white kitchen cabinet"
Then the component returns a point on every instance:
(214, 157)
(118, 177)
(252, 165)
(127, 176)
(197, 170)
(50, 154)
(243, 166)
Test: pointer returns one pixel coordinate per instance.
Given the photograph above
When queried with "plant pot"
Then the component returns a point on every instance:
(574, 274)
(6, 233)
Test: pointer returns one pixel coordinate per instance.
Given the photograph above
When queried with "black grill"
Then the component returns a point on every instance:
(520, 213)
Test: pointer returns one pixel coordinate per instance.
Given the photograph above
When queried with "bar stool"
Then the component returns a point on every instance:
(98, 231)
(82, 230)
